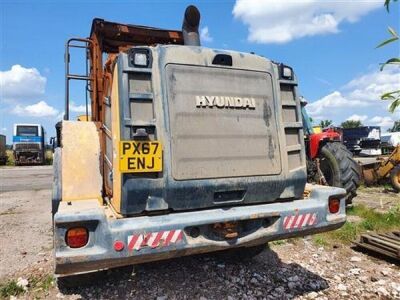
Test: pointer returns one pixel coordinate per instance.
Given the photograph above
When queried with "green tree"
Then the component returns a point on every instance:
(325, 123)
(351, 124)
(396, 127)
(393, 96)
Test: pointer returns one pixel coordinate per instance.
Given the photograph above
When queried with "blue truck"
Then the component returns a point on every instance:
(28, 144)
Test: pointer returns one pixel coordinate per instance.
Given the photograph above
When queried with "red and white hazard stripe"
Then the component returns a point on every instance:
(154, 239)
(299, 221)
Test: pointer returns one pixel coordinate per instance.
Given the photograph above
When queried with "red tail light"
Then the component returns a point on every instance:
(77, 237)
(334, 205)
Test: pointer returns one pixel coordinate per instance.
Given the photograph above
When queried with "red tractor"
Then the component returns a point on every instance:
(328, 160)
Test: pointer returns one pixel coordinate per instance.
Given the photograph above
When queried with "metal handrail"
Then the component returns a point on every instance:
(68, 76)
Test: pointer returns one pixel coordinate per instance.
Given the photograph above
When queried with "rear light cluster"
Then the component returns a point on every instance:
(334, 205)
(77, 237)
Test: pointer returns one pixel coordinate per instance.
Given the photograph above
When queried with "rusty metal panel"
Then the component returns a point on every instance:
(115, 36)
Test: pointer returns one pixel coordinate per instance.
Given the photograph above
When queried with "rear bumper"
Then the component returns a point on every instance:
(161, 237)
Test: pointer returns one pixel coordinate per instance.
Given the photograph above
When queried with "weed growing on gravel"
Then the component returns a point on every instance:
(377, 221)
(361, 187)
(371, 221)
(38, 284)
(319, 240)
(278, 242)
(10, 289)
(41, 283)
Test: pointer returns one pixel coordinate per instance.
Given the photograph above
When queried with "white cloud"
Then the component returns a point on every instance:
(362, 92)
(335, 100)
(277, 21)
(370, 86)
(21, 84)
(40, 109)
(382, 121)
(73, 108)
(78, 108)
(356, 117)
(4, 129)
(205, 34)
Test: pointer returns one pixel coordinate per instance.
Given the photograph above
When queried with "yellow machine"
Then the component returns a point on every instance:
(389, 167)
(187, 150)
(83, 118)
(317, 129)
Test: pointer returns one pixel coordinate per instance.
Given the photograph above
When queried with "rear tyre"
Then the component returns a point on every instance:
(395, 178)
(340, 169)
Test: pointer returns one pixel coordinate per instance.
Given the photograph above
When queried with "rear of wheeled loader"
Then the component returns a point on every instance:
(189, 150)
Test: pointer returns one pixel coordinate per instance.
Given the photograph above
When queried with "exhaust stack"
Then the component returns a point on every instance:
(190, 26)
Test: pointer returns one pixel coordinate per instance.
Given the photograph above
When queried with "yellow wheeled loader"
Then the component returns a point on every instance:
(186, 150)
(385, 168)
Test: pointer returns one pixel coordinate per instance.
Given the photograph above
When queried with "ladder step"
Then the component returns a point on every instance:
(141, 96)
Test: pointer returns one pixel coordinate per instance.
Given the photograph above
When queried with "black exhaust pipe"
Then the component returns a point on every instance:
(190, 26)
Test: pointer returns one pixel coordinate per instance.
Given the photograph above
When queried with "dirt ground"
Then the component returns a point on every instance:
(295, 270)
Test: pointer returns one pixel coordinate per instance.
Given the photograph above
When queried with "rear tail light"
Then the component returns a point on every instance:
(334, 205)
(77, 237)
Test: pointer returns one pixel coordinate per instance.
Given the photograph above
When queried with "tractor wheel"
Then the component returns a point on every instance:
(340, 169)
(395, 178)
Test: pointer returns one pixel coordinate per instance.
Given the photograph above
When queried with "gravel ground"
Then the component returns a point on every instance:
(25, 218)
(295, 270)
(290, 271)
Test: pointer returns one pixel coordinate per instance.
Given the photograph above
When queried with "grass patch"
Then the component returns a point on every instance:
(293, 241)
(10, 211)
(10, 158)
(371, 221)
(387, 185)
(48, 157)
(10, 289)
(319, 240)
(37, 285)
(361, 187)
(278, 242)
(41, 283)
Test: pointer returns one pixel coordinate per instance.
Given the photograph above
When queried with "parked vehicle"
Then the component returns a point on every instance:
(389, 141)
(365, 140)
(328, 160)
(3, 153)
(188, 150)
(384, 168)
(28, 144)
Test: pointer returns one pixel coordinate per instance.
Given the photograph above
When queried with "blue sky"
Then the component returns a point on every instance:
(330, 45)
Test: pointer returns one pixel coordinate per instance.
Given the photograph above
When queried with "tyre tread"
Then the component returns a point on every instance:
(350, 173)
